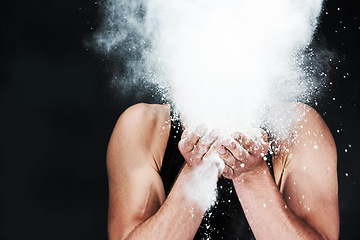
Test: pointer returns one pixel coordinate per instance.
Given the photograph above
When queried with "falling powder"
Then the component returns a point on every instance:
(231, 65)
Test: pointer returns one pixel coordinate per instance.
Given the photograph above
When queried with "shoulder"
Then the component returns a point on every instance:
(141, 129)
(311, 130)
(142, 119)
(308, 130)
(144, 114)
(309, 117)
(311, 143)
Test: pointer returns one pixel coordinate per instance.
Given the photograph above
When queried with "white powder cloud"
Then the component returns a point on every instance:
(232, 64)
(228, 62)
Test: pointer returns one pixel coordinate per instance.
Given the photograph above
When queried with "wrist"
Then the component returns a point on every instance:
(256, 175)
(198, 183)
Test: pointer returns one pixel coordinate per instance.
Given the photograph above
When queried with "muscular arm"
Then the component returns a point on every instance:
(306, 206)
(137, 205)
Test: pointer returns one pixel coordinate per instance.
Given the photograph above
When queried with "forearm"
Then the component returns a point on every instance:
(178, 218)
(266, 211)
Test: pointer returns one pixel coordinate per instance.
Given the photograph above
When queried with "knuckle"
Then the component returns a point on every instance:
(184, 134)
(226, 154)
(185, 146)
(236, 135)
(188, 143)
(200, 130)
(231, 146)
(205, 142)
(182, 145)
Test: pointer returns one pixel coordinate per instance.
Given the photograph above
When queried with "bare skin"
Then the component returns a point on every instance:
(300, 204)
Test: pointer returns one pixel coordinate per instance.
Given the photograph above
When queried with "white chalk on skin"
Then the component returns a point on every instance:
(200, 186)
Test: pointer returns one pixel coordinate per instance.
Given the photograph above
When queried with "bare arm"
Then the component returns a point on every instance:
(137, 205)
(306, 206)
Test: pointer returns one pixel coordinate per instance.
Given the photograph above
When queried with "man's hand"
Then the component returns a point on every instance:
(196, 144)
(242, 153)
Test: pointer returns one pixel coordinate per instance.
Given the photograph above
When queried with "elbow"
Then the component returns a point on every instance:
(332, 231)
(115, 233)
(118, 236)
(331, 234)
(124, 233)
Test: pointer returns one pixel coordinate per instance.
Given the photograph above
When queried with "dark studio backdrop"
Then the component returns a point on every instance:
(57, 112)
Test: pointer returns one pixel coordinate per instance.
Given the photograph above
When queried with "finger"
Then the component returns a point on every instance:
(228, 172)
(264, 142)
(199, 131)
(204, 143)
(185, 133)
(232, 165)
(226, 156)
(190, 138)
(264, 136)
(186, 145)
(234, 147)
(203, 147)
(209, 138)
(248, 143)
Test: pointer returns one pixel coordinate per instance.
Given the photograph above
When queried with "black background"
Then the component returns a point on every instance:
(57, 113)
